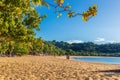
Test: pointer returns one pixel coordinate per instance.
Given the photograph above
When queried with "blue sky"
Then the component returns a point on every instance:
(105, 27)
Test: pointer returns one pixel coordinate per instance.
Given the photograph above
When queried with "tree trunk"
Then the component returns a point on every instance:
(10, 50)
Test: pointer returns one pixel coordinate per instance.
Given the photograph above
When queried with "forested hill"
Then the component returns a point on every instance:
(89, 48)
(41, 47)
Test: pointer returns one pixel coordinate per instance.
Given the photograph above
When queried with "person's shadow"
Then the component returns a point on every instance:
(113, 71)
(110, 73)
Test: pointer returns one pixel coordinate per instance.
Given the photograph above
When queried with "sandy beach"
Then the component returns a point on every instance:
(55, 68)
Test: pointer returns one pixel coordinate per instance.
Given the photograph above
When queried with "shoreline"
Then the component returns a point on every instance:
(92, 56)
(73, 59)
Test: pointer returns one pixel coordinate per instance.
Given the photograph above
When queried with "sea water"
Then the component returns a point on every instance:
(109, 60)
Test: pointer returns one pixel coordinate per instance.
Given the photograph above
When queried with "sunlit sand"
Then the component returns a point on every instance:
(54, 68)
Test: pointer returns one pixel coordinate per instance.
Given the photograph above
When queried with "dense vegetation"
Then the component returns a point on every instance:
(40, 47)
(89, 48)
(36, 47)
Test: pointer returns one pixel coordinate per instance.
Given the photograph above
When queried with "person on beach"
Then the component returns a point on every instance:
(67, 56)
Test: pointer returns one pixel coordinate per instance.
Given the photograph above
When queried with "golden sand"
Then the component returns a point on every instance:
(54, 68)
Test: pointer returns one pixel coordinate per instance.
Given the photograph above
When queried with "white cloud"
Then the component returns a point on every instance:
(100, 40)
(112, 41)
(103, 40)
(74, 41)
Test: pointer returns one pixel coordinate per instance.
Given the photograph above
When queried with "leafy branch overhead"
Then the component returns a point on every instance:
(59, 8)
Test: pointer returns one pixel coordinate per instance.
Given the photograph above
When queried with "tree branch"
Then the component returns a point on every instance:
(1, 8)
(63, 9)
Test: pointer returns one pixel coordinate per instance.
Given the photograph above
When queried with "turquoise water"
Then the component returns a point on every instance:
(109, 60)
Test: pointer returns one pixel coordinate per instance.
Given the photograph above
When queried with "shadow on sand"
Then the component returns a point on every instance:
(113, 71)
(110, 73)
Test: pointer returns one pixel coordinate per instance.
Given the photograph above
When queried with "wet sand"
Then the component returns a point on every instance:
(55, 68)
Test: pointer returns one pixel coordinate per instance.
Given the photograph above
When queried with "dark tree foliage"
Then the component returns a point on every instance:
(89, 48)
